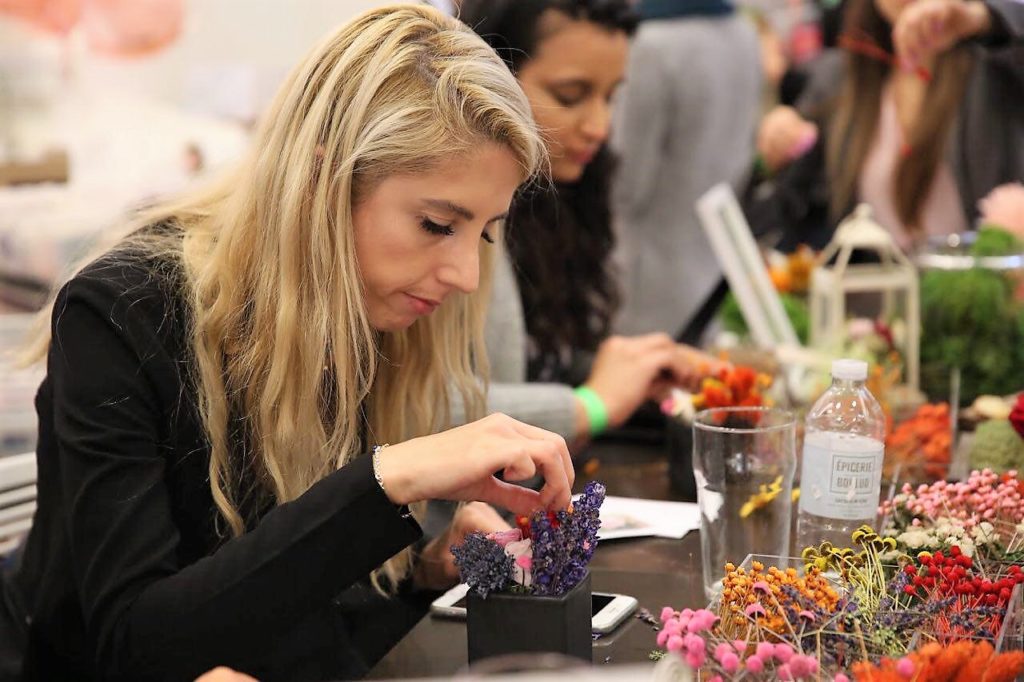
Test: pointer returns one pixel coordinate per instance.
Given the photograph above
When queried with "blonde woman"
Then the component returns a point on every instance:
(217, 381)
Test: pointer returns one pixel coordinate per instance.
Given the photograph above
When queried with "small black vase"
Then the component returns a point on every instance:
(507, 623)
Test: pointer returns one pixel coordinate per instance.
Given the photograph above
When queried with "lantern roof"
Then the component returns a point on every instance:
(860, 232)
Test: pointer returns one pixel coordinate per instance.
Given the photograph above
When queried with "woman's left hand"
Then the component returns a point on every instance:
(435, 569)
(927, 28)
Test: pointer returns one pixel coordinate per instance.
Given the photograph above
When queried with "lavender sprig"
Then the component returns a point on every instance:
(483, 564)
(564, 543)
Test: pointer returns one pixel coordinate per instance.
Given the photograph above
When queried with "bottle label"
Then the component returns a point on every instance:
(841, 476)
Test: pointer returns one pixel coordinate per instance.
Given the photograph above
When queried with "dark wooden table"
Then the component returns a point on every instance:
(656, 571)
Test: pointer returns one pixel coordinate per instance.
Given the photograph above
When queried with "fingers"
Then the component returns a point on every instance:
(557, 441)
(924, 30)
(478, 517)
(544, 457)
(515, 498)
(784, 136)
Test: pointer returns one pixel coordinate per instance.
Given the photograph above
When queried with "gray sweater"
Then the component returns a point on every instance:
(686, 122)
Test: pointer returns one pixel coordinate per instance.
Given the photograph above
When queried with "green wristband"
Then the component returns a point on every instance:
(597, 413)
(760, 167)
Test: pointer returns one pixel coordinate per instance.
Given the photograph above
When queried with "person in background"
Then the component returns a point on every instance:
(926, 117)
(686, 121)
(222, 383)
(554, 300)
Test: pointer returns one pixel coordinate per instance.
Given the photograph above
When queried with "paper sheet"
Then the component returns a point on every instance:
(627, 517)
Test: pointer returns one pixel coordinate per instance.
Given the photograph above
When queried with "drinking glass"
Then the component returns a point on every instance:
(744, 459)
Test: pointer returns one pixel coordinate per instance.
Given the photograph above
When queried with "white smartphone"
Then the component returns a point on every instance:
(607, 610)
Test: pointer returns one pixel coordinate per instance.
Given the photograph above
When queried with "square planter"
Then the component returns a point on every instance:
(506, 623)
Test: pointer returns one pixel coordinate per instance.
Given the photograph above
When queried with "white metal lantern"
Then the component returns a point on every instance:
(893, 277)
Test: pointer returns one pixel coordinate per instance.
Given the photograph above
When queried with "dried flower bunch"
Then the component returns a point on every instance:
(851, 615)
(920, 446)
(964, 661)
(546, 555)
(983, 516)
(736, 386)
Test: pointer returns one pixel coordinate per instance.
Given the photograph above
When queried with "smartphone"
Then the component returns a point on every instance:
(607, 610)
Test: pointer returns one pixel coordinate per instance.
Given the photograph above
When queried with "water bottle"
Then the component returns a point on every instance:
(841, 474)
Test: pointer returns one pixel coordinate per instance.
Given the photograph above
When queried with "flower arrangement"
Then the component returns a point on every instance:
(920, 447)
(999, 442)
(736, 386)
(985, 512)
(973, 319)
(964, 660)
(1004, 208)
(790, 275)
(924, 600)
(546, 555)
(845, 616)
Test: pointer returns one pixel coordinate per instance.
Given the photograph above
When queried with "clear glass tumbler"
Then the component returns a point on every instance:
(744, 459)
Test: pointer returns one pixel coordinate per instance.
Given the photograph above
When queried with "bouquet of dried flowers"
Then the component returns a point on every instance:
(546, 555)
(983, 516)
(736, 386)
(850, 614)
(920, 447)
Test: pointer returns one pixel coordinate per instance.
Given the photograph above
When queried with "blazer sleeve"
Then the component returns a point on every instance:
(149, 616)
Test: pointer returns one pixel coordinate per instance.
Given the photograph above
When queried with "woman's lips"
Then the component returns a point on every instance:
(422, 306)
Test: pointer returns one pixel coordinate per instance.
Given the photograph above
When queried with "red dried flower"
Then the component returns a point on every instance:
(1017, 415)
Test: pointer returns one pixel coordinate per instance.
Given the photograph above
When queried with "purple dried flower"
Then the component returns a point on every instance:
(564, 543)
(550, 552)
(483, 564)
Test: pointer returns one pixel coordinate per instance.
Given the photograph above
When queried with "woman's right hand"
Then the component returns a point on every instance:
(784, 136)
(628, 371)
(459, 464)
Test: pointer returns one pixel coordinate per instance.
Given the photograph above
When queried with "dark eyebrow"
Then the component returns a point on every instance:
(461, 211)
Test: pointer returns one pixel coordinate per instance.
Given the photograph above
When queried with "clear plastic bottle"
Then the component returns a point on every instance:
(841, 474)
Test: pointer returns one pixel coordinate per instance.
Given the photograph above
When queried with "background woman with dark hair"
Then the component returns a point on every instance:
(927, 116)
(552, 310)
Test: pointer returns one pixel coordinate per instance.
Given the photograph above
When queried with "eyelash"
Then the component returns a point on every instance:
(567, 101)
(446, 230)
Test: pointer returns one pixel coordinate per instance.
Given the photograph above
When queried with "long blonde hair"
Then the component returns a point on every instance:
(280, 340)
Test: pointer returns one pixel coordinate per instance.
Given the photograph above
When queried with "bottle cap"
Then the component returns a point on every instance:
(850, 370)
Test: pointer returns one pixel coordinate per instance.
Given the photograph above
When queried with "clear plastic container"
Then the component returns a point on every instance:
(841, 472)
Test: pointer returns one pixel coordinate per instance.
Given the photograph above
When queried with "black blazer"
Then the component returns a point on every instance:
(124, 575)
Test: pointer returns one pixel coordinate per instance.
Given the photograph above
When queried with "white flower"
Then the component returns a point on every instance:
(916, 539)
(984, 534)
